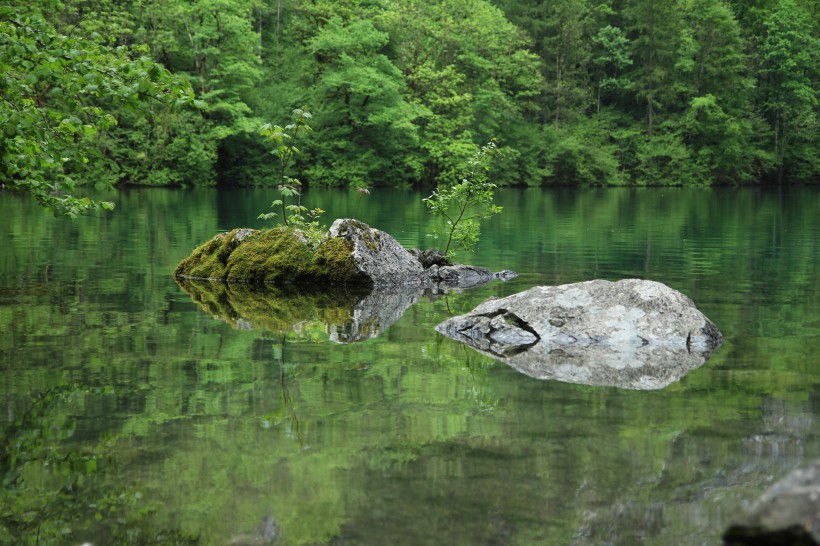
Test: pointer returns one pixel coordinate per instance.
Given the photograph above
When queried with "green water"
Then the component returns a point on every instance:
(132, 411)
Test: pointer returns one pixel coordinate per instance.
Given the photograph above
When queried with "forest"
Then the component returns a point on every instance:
(575, 92)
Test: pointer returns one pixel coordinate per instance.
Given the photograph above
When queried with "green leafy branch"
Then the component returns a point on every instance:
(284, 140)
(59, 95)
(465, 204)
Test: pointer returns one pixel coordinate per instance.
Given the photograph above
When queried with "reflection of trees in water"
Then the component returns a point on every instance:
(265, 533)
(54, 492)
(479, 392)
(295, 427)
(707, 479)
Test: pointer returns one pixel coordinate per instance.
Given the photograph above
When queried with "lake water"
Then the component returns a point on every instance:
(134, 413)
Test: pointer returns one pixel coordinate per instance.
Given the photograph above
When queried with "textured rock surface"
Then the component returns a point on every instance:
(379, 256)
(460, 276)
(278, 256)
(632, 334)
(788, 513)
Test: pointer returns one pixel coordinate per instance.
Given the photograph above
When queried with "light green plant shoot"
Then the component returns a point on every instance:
(465, 204)
(284, 140)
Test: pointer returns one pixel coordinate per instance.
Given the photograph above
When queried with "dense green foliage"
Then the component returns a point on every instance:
(580, 92)
(60, 97)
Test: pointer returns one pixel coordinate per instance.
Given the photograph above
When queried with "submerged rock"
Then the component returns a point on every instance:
(787, 514)
(351, 254)
(460, 276)
(632, 333)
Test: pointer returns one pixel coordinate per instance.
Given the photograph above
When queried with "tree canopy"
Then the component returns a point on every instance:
(60, 96)
(580, 92)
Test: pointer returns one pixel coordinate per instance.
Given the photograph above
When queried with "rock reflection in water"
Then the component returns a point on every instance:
(267, 532)
(644, 368)
(700, 492)
(373, 314)
(344, 315)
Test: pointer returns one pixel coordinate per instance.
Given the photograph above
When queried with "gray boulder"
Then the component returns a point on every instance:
(378, 256)
(381, 258)
(632, 333)
(788, 513)
(460, 276)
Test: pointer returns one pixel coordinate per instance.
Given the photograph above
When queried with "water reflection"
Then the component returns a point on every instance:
(407, 438)
(265, 533)
(343, 315)
(641, 368)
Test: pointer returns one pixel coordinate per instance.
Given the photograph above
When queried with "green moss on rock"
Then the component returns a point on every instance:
(334, 262)
(209, 261)
(274, 256)
(277, 256)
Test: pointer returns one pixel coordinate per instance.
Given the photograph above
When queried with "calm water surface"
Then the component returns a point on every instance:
(172, 416)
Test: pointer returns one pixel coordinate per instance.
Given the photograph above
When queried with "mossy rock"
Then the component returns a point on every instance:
(210, 260)
(277, 256)
(333, 261)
